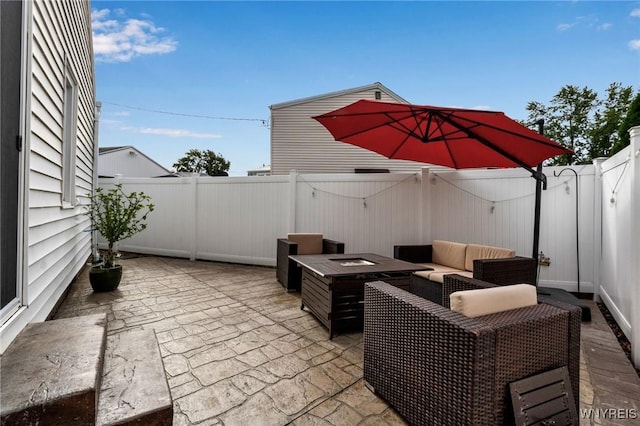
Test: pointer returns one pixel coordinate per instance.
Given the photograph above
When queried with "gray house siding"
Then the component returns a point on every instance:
(58, 109)
(301, 143)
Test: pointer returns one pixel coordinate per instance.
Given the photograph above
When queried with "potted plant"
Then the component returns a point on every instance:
(116, 216)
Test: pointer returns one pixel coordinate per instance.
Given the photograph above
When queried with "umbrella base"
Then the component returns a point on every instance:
(565, 296)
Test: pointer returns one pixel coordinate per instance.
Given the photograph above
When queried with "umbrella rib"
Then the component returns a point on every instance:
(505, 131)
(393, 121)
(485, 142)
(443, 137)
(406, 130)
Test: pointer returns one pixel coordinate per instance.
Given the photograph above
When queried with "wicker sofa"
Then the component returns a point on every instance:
(491, 264)
(438, 367)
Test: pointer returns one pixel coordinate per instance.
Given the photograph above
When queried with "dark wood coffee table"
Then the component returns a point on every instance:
(333, 284)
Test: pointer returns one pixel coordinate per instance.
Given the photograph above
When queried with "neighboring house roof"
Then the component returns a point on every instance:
(158, 168)
(182, 174)
(261, 170)
(113, 148)
(376, 85)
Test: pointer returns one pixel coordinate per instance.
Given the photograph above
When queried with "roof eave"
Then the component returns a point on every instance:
(376, 85)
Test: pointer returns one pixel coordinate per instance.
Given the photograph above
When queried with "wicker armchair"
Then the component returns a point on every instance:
(453, 283)
(438, 367)
(288, 273)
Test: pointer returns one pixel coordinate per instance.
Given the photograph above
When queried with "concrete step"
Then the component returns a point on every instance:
(51, 372)
(134, 388)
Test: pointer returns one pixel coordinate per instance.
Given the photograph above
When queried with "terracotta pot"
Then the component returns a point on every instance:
(105, 279)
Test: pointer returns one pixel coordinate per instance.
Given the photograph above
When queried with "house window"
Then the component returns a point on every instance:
(377, 94)
(69, 142)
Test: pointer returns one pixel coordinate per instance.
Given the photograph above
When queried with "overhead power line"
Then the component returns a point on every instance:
(210, 117)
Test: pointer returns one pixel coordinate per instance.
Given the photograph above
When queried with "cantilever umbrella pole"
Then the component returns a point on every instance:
(541, 183)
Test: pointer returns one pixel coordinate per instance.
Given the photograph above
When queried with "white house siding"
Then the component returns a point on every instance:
(301, 143)
(55, 241)
(121, 161)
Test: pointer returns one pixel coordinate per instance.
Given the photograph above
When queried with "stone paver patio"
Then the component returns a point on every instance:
(238, 350)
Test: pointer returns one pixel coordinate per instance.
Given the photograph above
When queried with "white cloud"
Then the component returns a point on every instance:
(586, 21)
(565, 27)
(634, 44)
(177, 133)
(635, 13)
(120, 40)
(482, 107)
(99, 14)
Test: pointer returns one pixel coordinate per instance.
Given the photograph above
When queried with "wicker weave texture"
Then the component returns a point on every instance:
(453, 283)
(287, 271)
(513, 270)
(437, 367)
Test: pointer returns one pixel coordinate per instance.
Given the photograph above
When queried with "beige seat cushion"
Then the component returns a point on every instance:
(434, 268)
(307, 243)
(439, 276)
(475, 303)
(448, 253)
(475, 251)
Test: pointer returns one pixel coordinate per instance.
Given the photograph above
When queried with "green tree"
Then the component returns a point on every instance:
(578, 119)
(608, 119)
(568, 121)
(632, 119)
(207, 161)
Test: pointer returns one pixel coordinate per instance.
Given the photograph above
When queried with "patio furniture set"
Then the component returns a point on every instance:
(448, 328)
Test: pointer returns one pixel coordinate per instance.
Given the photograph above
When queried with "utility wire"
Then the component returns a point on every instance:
(210, 117)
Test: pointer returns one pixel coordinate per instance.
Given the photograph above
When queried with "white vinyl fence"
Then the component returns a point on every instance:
(620, 250)
(497, 208)
(238, 219)
(593, 216)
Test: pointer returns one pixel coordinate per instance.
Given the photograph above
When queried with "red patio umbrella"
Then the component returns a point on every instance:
(453, 137)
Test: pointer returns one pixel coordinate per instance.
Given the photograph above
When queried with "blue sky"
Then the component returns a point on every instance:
(234, 59)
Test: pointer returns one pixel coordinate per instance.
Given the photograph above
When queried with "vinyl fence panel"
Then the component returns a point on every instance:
(620, 254)
(238, 219)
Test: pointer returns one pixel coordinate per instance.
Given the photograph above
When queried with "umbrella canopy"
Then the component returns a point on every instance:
(453, 137)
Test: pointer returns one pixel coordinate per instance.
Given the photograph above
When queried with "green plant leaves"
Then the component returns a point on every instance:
(117, 215)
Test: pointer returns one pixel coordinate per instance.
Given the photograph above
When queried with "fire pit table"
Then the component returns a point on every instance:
(333, 284)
